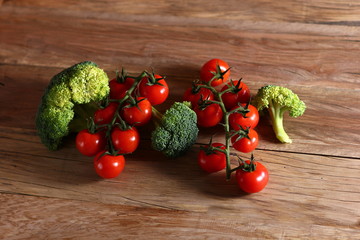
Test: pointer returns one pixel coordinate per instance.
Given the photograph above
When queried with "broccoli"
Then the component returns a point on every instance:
(176, 131)
(277, 100)
(66, 100)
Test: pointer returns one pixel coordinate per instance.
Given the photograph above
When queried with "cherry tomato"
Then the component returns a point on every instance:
(118, 89)
(156, 91)
(137, 115)
(210, 116)
(89, 144)
(253, 181)
(215, 67)
(193, 95)
(107, 165)
(125, 141)
(245, 144)
(213, 161)
(233, 98)
(250, 120)
(105, 115)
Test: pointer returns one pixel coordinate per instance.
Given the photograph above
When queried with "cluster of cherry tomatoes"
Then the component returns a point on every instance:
(113, 129)
(217, 99)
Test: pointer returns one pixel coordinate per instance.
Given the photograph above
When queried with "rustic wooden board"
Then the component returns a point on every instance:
(306, 188)
(40, 218)
(335, 12)
(312, 47)
(260, 52)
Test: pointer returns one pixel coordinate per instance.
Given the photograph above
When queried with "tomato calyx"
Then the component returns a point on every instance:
(196, 86)
(219, 74)
(91, 126)
(248, 166)
(134, 102)
(153, 79)
(121, 77)
(195, 89)
(234, 88)
(241, 133)
(110, 152)
(211, 149)
(241, 109)
(204, 103)
(104, 103)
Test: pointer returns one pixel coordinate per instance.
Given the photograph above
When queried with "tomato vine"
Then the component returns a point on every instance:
(113, 132)
(234, 102)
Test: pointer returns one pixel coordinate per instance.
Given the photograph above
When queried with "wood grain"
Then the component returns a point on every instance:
(335, 12)
(302, 181)
(312, 47)
(260, 52)
(30, 217)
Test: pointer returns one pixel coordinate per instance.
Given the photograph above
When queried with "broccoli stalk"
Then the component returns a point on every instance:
(276, 113)
(277, 100)
(68, 100)
(175, 131)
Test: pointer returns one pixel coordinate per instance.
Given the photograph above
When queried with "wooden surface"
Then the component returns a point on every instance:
(313, 47)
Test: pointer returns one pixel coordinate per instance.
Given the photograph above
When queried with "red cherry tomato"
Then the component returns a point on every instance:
(245, 144)
(125, 141)
(194, 95)
(105, 115)
(233, 98)
(213, 161)
(250, 120)
(155, 91)
(89, 144)
(210, 116)
(214, 67)
(108, 166)
(254, 181)
(137, 115)
(118, 89)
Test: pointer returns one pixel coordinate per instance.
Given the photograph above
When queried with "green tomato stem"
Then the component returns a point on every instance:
(120, 105)
(226, 127)
(228, 133)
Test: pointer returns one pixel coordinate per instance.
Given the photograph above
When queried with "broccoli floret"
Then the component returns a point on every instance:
(75, 88)
(277, 100)
(176, 130)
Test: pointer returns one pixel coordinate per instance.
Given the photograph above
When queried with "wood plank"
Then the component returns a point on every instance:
(315, 190)
(259, 52)
(29, 217)
(324, 12)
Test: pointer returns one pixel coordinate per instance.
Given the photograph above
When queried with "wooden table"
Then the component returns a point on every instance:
(312, 47)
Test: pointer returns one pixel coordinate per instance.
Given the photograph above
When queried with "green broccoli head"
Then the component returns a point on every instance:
(176, 131)
(81, 84)
(277, 100)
